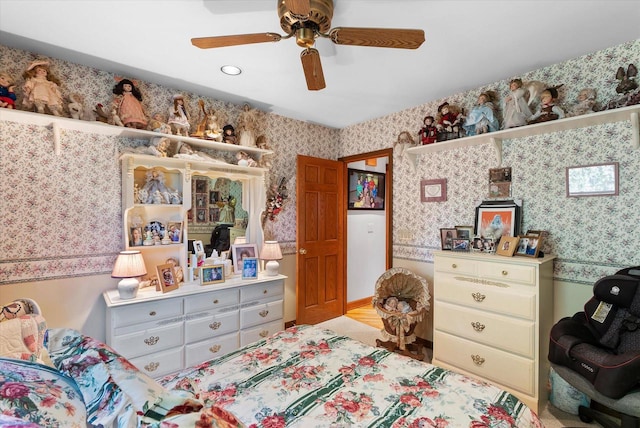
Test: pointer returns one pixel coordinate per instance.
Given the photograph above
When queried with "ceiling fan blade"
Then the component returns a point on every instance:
(312, 69)
(239, 39)
(378, 37)
(298, 7)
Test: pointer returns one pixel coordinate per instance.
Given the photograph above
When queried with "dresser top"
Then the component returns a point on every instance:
(492, 257)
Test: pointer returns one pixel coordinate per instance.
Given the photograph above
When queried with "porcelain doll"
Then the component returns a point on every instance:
(449, 119)
(229, 135)
(429, 132)
(547, 110)
(585, 103)
(179, 116)
(128, 105)
(7, 94)
(248, 126)
(481, 118)
(515, 108)
(42, 89)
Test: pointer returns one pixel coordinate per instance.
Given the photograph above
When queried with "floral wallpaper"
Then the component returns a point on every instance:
(63, 213)
(591, 236)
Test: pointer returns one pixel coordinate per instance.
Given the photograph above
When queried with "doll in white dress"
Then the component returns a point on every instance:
(515, 108)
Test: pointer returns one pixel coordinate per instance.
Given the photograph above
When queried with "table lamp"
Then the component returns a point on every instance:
(129, 266)
(271, 252)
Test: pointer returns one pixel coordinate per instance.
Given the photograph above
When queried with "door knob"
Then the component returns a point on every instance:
(302, 251)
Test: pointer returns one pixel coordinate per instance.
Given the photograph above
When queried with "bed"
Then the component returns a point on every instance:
(304, 376)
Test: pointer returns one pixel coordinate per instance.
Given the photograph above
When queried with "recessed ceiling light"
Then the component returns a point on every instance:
(231, 70)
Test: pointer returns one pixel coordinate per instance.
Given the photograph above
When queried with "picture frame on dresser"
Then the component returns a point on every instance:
(212, 274)
(496, 218)
(507, 245)
(167, 277)
(240, 252)
(250, 268)
(529, 245)
(447, 235)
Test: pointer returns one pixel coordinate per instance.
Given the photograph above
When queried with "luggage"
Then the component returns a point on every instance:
(602, 343)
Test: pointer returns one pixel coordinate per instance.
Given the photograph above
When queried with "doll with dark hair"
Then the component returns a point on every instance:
(429, 132)
(229, 135)
(547, 110)
(7, 95)
(128, 105)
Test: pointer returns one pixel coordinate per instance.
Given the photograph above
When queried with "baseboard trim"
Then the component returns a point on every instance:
(289, 324)
(359, 303)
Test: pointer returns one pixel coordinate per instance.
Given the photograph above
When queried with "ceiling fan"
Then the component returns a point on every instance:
(306, 20)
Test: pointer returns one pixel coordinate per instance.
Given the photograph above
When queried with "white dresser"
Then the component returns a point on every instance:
(492, 317)
(161, 333)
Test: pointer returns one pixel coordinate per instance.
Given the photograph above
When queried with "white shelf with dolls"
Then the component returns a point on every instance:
(58, 124)
(630, 113)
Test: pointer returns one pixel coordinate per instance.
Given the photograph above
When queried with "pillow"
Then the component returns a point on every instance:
(23, 338)
(114, 390)
(40, 395)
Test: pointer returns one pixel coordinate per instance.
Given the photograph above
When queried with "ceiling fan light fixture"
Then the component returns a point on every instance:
(305, 37)
(231, 70)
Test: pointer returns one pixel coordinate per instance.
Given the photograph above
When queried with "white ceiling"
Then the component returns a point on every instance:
(468, 44)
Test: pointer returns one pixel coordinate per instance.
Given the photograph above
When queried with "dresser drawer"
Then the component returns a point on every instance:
(197, 353)
(148, 340)
(497, 331)
(144, 312)
(206, 326)
(254, 334)
(160, 363)
(502, 299)
(508, 272)
(455, 265)
(210, 301)
(260, 313)
(260, 291)
(507, 369)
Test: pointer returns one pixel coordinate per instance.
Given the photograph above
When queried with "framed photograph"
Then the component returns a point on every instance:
(212, 274)
(507, 245)
(447, 235)
(488, 245)
(464, 232)
(167, 277)
(500, 189)
(135, 238)
(499, 174)
(174, 229)
(495, 219)
(365, 190)
(198, 247)
(240, 252)
(201, 185)
(250, 268)
(201, 215)
(433, 190)
(477, 244)
(214, 196)
(529, 245)
(460, 244)
(214, 214)
(201, 201)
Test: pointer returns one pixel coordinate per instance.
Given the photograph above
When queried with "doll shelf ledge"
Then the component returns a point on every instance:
(228, 170)
(57, 124)
(630, 113)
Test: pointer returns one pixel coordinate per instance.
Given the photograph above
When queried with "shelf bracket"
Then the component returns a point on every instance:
(635, 130)
(413, 160)
(497, 144)
(55, 126)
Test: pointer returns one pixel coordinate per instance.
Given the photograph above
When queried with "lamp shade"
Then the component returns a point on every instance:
(129, 264)
(271, 252)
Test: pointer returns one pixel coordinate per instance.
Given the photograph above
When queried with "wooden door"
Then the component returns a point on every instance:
(320, 238)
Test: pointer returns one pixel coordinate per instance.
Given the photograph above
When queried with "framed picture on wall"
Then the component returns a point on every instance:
(365, 190)
(433, 190)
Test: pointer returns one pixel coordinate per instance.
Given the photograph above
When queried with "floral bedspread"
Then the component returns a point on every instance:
(309, 377)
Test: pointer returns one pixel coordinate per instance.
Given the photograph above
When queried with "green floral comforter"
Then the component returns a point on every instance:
(309, 377)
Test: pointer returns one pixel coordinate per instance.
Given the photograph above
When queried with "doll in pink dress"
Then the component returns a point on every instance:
(128, 105)
(42, 89)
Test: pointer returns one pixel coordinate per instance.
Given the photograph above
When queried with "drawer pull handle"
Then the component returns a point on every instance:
(215, 302)
(477, 360)
(215, 325)
(264, 291)
(477, 326)
(505, 273)
(478, 297)
(455, 266)
(152, 340)
(264, 333)
(215, 348)
(264, 313)
(152, 366)
(152, 313)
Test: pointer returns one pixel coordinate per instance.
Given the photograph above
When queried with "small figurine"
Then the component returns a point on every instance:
(482, 118)
(179, 116)
(42, 89)
(515, 108)
(157, 124)
(7, 95)
(248, 126)
(429, 132)
(586, 102)
(405, 140)
(627, 87)
(265, 160)
(128, 106)
(547, 110)
(449, 120)
(229, 135)
(245, 160)
(153, 187)
(76, 105)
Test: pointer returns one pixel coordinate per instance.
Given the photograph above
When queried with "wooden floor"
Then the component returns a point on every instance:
(367, 315)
